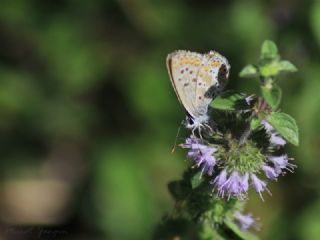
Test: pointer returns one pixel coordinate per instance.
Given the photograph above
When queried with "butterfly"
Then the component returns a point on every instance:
(197, 79)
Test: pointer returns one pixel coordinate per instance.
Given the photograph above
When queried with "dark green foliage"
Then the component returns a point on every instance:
(86, 104)
(286, 126)
(230, 100)
(272, 95)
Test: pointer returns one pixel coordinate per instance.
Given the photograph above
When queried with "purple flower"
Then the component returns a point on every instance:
(281, 162)
(245, 221)
(233, 184)
(236, 185)
(275, 138)
(244, 183)
(270, 172)
(207, 160)
(201, 154)
(258, 185)
(267, 126)
(220, 181)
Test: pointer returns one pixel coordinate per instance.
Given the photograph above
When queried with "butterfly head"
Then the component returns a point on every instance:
(196, 122)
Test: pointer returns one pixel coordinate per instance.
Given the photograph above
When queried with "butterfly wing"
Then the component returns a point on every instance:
(211, 79)
(197, 78)
(183, 68)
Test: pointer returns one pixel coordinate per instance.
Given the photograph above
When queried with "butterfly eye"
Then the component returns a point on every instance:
(190, 121)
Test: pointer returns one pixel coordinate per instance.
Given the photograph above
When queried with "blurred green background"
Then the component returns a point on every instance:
(88, 115)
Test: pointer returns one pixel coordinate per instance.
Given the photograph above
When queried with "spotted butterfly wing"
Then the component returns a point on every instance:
(183, 69)
(196, 79)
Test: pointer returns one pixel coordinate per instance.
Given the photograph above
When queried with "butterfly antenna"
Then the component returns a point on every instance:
(175, 141)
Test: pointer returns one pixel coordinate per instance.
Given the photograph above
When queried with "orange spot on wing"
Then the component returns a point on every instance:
(215, 64)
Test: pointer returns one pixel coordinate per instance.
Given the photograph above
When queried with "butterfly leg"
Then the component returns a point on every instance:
(199, 130)
(209, 127)
(193, 131)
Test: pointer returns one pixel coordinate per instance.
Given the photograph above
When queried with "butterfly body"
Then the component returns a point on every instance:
(197, 79)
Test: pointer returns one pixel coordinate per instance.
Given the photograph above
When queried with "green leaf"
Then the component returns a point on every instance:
(285, 125)
(238, 232)
(272, 95)
(269, 50)
(230, 100)
(269, 69)
(273, 68)
(286, 66)
(249, 71)
(254, 123)
(196, 180)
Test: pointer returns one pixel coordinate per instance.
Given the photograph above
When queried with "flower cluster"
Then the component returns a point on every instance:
(201, 154)
(237, 185)
(235, 174)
